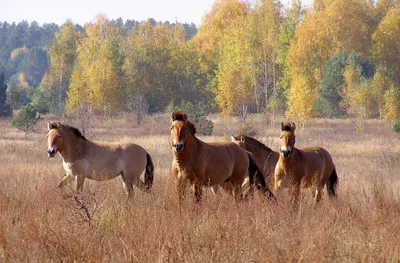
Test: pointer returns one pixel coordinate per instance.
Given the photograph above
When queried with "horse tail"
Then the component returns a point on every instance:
(257, 178)
(149, 173)
(332, 183)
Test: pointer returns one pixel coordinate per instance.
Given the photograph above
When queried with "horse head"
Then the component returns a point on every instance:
(181, 130)
(287, 138)
(54, 138)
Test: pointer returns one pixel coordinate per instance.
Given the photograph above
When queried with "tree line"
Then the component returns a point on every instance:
(338, 58)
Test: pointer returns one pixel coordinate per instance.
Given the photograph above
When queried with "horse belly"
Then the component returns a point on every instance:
(101, 172)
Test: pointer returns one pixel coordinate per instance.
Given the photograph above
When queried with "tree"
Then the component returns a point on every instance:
(391, 106)
(386, 39)
(62, 55)
(26, 119)
(100, 60)
(333, 82)
(5, 110)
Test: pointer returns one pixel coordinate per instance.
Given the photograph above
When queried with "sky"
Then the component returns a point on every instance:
(84, 11)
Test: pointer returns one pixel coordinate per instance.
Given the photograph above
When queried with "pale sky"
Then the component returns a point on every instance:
(83, 11)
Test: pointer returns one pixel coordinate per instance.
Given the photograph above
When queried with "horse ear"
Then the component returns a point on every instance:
(242, 138)
(232, 138)
(282, 126)
(173, 116)
(51, 126)
(185, 117)
(293, 127)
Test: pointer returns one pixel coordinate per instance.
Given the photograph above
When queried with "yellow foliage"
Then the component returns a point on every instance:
(18, 51)
(300, 99)
(391, 108)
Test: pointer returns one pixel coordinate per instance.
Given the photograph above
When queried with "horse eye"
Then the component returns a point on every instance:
(59, 136)
(280, 137)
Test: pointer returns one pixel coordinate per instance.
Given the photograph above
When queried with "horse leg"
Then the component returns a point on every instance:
(318, 194)
(295, 194)
(181, 184)
(127, 185)
(66, 180)
(80, 179)
(215, 189)
(237, 193)
(198, 191)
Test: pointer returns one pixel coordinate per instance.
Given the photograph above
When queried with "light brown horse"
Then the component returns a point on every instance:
(306, 167)
(83, 159)
(208, 164)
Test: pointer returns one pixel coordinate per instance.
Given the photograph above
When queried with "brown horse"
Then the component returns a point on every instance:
(265, 158)
(208, 164)
(306, 167)
(98, 161)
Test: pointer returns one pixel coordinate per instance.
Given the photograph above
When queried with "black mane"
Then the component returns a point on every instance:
(74, 131)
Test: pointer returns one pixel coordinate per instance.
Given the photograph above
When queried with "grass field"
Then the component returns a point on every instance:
(40, 222)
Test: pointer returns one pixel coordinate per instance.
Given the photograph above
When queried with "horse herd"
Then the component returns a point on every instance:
(238, 167)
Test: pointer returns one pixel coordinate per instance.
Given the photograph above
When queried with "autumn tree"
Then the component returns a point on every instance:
(100, 60)
(62, 55)
(386, 39)
(325, 32)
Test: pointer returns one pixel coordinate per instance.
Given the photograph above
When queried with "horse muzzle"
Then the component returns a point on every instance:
(178, 147)
(286, 153)
(51, 152)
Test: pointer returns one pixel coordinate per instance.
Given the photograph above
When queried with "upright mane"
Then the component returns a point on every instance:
(287, 127)
(257, 142)
(64, 127)
(181, 116)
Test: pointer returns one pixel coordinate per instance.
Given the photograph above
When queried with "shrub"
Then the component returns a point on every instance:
(396, 126)
(26, 119)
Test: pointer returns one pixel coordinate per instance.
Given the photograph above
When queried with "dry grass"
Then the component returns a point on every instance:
(41, 223)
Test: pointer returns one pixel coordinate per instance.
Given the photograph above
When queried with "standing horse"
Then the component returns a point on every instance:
(265, 158)
(306, 167)
(208, 164)
(98, 161)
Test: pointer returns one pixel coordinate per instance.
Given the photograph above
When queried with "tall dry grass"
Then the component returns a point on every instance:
(41, 223)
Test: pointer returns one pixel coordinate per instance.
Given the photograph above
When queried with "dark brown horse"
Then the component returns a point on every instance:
(83, 159)
(306, 167)
(207, 164)
(264, 156)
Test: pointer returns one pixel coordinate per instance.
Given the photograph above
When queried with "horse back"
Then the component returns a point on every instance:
(316, 160)
(225, 158)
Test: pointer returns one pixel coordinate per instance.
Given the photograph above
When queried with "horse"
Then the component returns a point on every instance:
(306, 167)
(207, 164)
(83, 159)
(264, 156)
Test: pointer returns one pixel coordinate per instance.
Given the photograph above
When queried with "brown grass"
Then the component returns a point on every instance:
(41, 223)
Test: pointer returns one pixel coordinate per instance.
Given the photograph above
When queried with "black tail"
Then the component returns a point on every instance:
(332, 183)
(149, 173)
(256, 178)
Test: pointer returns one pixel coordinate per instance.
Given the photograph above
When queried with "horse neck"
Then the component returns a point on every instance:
(73, 150)
(258, 150)
(185, 159)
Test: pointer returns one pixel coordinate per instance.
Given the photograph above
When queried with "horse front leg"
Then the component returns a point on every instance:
(66, 180)
(181, 183)
(80, 179)
(198, 192)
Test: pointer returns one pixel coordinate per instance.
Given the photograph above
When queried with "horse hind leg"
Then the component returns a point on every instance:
(198, 192)
(127, 185)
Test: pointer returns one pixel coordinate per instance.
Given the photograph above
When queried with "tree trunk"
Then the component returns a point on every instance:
(60, 97)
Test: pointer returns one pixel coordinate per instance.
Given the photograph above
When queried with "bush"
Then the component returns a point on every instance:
(26, 119)
(197, 114)
(396, 126)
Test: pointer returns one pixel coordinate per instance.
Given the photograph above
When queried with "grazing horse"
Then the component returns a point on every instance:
(306, 167)
(83, 159)
(208, 164)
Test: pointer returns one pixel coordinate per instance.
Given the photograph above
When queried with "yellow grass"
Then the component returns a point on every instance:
(41, 223)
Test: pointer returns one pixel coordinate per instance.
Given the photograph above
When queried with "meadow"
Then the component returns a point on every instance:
(41, 223)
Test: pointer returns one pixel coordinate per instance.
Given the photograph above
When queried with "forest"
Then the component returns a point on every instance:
(335, 59)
